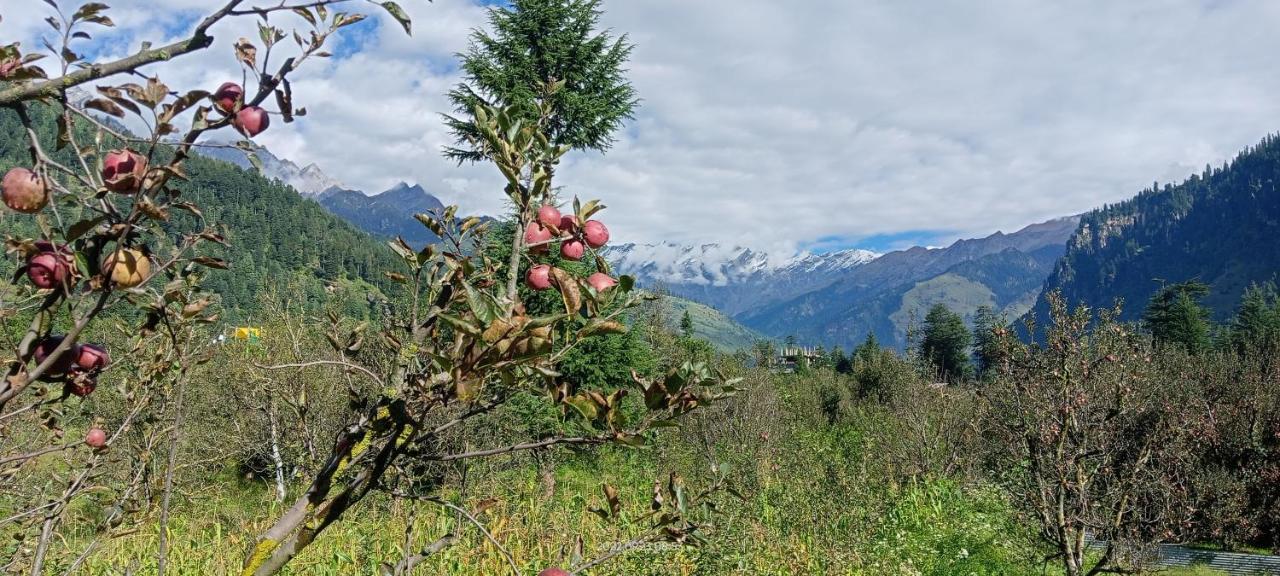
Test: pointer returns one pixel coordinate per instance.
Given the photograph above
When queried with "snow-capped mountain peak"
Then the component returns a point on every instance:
(731, 277)
(721, 265)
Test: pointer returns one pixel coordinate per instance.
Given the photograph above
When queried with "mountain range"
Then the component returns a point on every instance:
(386, 215)
(1217, 227)
(734, 280)
(832, 298)
(839, 297)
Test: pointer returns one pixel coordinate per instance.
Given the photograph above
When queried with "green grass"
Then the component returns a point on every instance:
(808, 516)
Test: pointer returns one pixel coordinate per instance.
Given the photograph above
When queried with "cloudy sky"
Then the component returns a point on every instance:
(808, 124)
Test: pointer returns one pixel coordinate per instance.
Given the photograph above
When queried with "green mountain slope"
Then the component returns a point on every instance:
(1219, 227)
(711, 325)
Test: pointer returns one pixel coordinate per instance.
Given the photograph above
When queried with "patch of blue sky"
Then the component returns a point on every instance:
(887, 242)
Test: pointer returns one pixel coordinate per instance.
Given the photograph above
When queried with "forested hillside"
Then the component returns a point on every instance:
(1218, 227)
(385, 215)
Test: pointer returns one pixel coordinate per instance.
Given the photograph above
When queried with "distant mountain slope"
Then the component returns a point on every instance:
(386, 215)
(731, 279)
(1004, 271)
(1220, 227)
(308, 181)
(711, 325)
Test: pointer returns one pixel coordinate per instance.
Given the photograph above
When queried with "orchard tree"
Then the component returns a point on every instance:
(107, 248)
(104, 238)
(1092, 441)
(467, 344)
(535, 42)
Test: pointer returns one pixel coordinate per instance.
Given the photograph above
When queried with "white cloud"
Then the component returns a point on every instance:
(771, 124)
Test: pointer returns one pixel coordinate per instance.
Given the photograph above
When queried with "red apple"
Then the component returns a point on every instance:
(92, 358)
(549, 216)
(569, 223)
(227, 96)
(553, 571)
(82, 386)
(65, 361)
(122, 171)
(595, 233)
(251, 121)
(49, 269)
(535, 233)
(572, 249)
(601, 281)
(96, 438)
(24, 191)
(539, 277)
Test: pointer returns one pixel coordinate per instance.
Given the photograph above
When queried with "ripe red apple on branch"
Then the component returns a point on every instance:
(24, 191)
(534, 235)
(228, 96)
(601, 281)
(81, 385)
(123, 171)
(251, 121)
(595, 233)
(65, 361)
(539, 277)
(92, 358)
(549, 216)
(50, 267)
(572, 249)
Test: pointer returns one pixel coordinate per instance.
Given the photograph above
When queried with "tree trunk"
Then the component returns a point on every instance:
(275, 452)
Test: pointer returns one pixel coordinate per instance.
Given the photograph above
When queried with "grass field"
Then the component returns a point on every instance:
(784, 527)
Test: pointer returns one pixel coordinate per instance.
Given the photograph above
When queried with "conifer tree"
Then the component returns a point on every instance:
(946, 343)
(986, 348)
(1174, 316)
(534, 42)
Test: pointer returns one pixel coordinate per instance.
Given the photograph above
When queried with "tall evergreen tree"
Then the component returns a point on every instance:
(532, 43)
(686, 325)
(1174, 316)
(986, 349)
(1256, 325)
(837, 359)
(946, 343)
(868, 349)
(764, 353)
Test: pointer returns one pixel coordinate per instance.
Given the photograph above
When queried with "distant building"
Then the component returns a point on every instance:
(791, 358)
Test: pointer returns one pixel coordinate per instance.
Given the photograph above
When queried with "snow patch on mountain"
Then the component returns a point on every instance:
(720, 265)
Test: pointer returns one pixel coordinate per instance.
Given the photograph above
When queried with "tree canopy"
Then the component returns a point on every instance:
(946, 342)
(532, 43)
(1175, 316)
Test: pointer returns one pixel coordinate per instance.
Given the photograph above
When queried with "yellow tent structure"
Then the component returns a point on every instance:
(249, 333)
